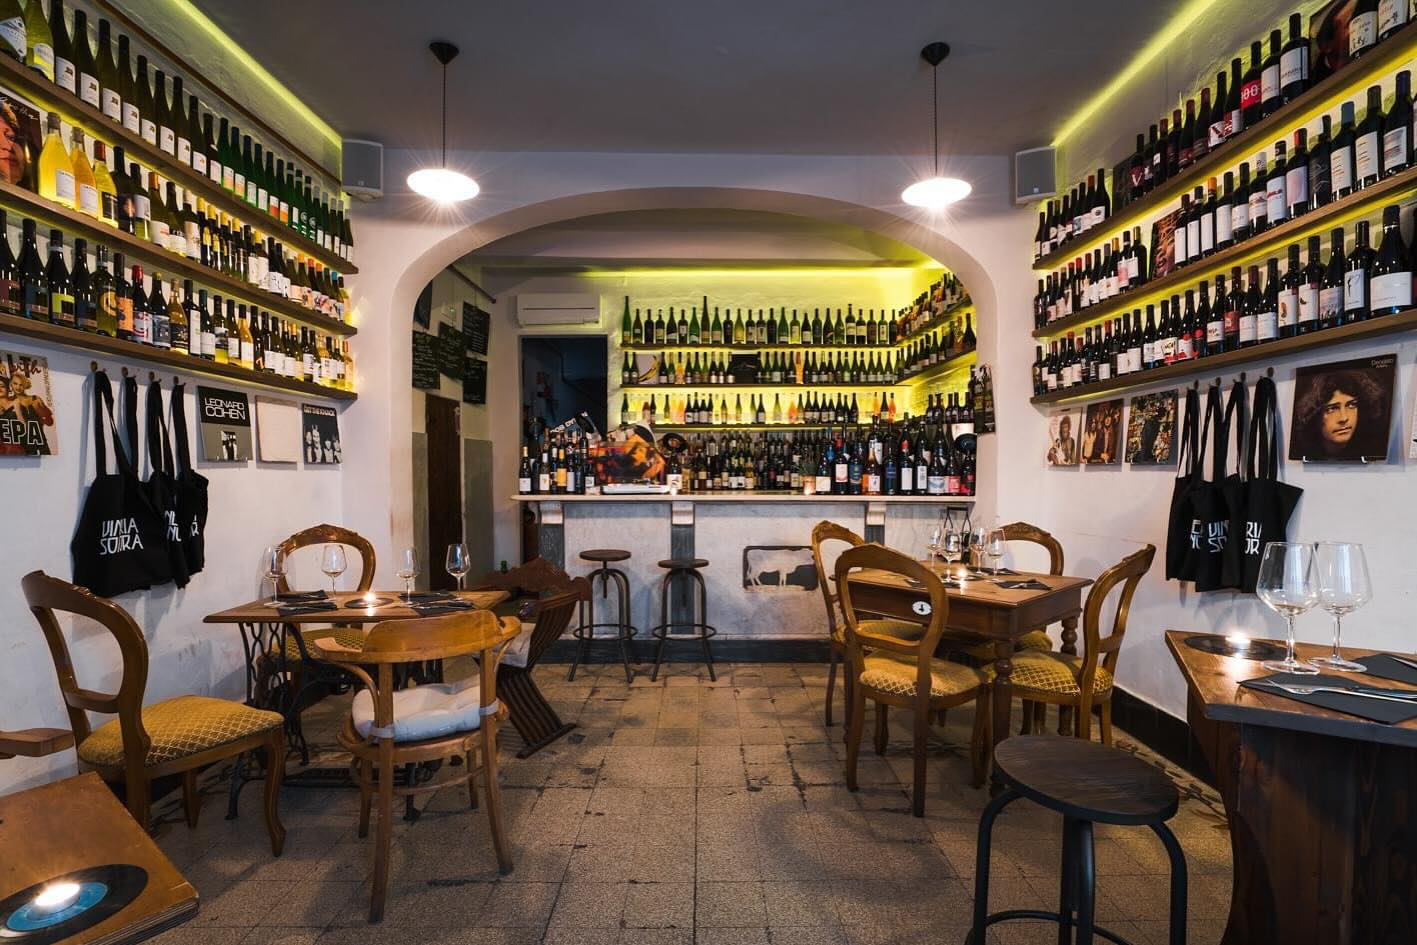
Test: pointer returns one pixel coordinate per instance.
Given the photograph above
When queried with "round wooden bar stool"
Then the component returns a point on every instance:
(604, 577)
(696, 626)
(1087, 783)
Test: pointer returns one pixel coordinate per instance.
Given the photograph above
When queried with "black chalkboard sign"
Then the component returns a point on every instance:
(423, 308)
(451, 350)
(425, 361)
(474, 381)
(476, 327)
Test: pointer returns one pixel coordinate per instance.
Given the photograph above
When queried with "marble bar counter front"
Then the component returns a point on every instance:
(761, 583)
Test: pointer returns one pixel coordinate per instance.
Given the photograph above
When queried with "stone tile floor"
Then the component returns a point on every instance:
(683, 811)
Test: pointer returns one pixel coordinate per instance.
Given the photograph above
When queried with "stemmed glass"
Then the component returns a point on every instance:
(273, 565)
(977, 540)
(408, 570)
(457, 562)
(333, 563)
(953, 550)
(1288, 586)
(994, 547)
(936, 542)
(1343, 588)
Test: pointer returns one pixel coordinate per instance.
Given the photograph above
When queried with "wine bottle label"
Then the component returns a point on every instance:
(209, 345)
(1215, 135)
(11, 299)
(41, 57)
(125, 314)
(1240, 217)
(88, 199)
(1362, 32)
(1393, 290)
(1294, 66)
(1230, 322)
(1395, 148)
(199, 163)
(1257, 207)
(1214, 332)
(1251, 94)
(1355, 289)
(1276, 201)
(182, 338)
(1308, 304)
(167, 140)
(233, 347)
(1224, 225)
(1133, 360)
(88, 89)
(543, 482)
(149, 131)
(112, 105)
(840, 472)
(132, 120)
(184, 150)
(1340, 169)
(142, 327)
(1269, 83)
(1185, 347)
(1296, 186)
(1391, 15)
(215, 171)
(935, 485)
(1235, 123)
(1267, 326)
(1330, 303)
(12, 34)
(1288, 313)
(61, 309)
(142, 207)
(64, 185)
(248, 351)
(1207, 233)
(524, 484)
(1246, 328)
(64, 75)
(1368, 156)
(1104, 371)
(160, 234)
(1180, 242)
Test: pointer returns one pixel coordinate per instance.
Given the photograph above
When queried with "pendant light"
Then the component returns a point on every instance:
(936, 192)
(442, 183)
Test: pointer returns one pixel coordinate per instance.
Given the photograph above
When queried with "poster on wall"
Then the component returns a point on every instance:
(1102, 434)
(779, 568)
(1062, 437)
(320, 435)
(225, 425)
(20, 140)
(26, 407)
(452, 348)
(1151, 429)
(1343, 410)
(476, 328)
(277, 430)
(425, 361)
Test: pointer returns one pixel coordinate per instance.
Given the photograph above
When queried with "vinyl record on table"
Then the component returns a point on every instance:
(103, 891)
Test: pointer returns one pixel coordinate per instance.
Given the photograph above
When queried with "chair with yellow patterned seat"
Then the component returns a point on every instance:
(178, 736)
(905, 673)
(1078, 683)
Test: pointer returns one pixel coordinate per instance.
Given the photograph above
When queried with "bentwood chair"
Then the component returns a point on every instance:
(178, 736)
(1077, 683)
(905, 673)
(389, 727)
(325, 535)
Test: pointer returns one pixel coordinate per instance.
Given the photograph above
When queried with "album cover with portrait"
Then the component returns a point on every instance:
(1151, 429)
(20, 140)
(1063, 437)
(1102, 434)
(1343, 411)
(26, 407)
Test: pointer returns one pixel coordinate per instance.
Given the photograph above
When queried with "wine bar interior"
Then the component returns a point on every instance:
(719, 474)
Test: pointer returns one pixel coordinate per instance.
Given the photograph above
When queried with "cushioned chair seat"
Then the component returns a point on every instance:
(900, 629)
(180, 728)
(1037, 640)
(896, 675)
(352, 637)
(430, 711)
(1056, 673)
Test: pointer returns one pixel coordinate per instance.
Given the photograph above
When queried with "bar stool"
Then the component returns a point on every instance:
(683, 570)
(1087, 783)
(624, 631)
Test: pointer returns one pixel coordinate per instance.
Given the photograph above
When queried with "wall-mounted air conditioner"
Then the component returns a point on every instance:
(545, 309)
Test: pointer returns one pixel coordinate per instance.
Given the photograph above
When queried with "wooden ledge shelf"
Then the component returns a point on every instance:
(181, 363)
(156, 259)
(949, 365)
(1385, 57)
(1358, 331)
(746, 496)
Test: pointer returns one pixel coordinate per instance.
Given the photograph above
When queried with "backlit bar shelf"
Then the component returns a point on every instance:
(1341, 211)
(1200, 367)
(1327, 93)
(947, 366)
(745, 495)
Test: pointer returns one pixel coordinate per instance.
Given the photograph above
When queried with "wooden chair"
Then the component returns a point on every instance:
(296, 644)
(824, 532)
(905, 673)
(181, 735)
(388, 728)
(543, 623)
(533, 579)
(34, 742)
(1078, 683)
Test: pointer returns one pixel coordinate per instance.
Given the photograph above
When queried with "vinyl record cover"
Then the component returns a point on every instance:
(1151, 429)
(20, 140)
(224, 417)
(1343, 410)
(277, 430)
(26, 407)
(320, 435)
(1102, 433)
(1063, 437)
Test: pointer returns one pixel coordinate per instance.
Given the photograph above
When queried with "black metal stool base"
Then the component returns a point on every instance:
(1012, 914)
(694, 632)
(624, 631)
(586, 638)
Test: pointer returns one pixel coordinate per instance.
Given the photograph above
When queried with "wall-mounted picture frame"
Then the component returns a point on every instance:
(1342, 411)
(1151, 429)
(1102, 434)
(26, 407)
(1063, 427)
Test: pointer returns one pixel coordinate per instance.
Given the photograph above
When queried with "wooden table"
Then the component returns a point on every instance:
(68, 825)
(987, 610)
(1322, 807)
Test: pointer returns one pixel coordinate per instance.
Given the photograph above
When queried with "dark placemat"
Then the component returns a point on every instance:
(426, 597)
(436, 609)
(1385, 667)
(1374, 710)
(313, 607)
(301, 597)
(991, 571)
(1026, 585)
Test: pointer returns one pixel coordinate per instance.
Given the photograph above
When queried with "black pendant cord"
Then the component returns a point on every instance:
(934, 112)
(445, 117)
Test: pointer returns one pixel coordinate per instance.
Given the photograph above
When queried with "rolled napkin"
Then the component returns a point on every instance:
(310, 607)
(1028, 584)
(301, 597)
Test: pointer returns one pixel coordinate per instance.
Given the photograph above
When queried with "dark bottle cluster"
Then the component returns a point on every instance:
(558, 464)
(809, 409)
(1092, 279)
(1316, 292)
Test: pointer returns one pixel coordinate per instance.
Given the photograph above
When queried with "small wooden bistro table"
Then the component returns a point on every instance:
(982, 607)
(1322, 806)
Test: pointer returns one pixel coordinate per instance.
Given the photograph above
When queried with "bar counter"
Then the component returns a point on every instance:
(761, 584)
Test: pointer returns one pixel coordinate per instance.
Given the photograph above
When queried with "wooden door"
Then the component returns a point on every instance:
(444, 487)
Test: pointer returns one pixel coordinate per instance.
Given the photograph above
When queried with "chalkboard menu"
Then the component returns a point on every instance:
(451, 348)
(423, 308)
(425, 361)
(477, 327)
(474, 381)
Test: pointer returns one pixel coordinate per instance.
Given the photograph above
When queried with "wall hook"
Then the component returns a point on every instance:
(1269, 372)
(152, 377)
(93, 367)
(125, 371)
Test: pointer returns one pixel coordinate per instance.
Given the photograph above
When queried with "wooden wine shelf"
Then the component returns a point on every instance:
(1386, 56)
(182, 363)
(948, 366)
(1383, 192)
(157, 259)
(1358, 331)
(785, 385)
(50, 97)
(739, 427)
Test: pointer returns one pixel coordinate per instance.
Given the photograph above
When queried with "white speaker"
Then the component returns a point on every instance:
(362, 168)
(1035, 174)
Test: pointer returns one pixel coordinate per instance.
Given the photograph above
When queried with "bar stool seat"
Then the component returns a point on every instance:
(1087, 783)
(605, 575)
(604, 555)
(683, 563)
(695, 625)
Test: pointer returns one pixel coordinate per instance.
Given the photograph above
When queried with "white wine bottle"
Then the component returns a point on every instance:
(12, 29)
(39, 45)
(56, 169)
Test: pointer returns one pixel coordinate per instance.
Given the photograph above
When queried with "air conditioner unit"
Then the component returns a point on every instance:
(545, 309)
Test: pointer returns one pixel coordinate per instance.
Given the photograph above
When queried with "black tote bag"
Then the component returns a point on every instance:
(120, 544)
(1264, 505)
(162, 483)
(1188, 472)
(191, 488)
(1215, 501)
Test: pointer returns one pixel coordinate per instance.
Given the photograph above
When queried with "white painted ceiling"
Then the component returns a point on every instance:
(715, 76)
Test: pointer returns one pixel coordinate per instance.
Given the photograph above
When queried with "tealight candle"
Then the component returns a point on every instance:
(1239, 641)
(54, 898)
(369, 599)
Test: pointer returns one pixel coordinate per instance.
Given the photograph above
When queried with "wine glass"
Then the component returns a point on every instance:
(978, 538)
(457, 562)
(937, 540)
(1288, 586)
(994, 547)
(953, 550)
(273, 567)
(1342, 574)
(408, 570)
(333, 563)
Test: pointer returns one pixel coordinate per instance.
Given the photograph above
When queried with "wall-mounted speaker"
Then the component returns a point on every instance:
(1035, 174)
(362, 167)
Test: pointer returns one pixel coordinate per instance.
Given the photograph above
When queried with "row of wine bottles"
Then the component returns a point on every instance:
(130, 305)
(1352, 285)
(281, 193)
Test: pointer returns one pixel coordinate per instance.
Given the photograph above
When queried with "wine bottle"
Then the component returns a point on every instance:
(1234, 104)
(127, 93)
(85, 66)
(147, 107)
(182, 135)
(1397, 127)
(1240, 209)
(38, 45)
(34, 290)
(1276, 196)
(1355, 282)
(61, 289)
(180, 327)
(65, 76)
(1215, 316)
(1225, 213)
(1341, 154)
(1251, 89)
(1270, 95)
(56, 168)
(1392, 16)
(1368, 146)
(1309, 289)
(1268, 320)
(1391, 284)
(1331, 307)
(1250, 308)
(1259, 193)
(1218, 118)
(85, 185)
(1296, 176)
(109, 81)
(1288, 306)
(1320, 183)
(158, 313)
(101, 291)
(1362, 28)
(1294, 61)
(162, 114)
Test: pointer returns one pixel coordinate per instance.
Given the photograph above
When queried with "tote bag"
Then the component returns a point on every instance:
(120, 543)
(162, 483)
(1215, 500)
(1178, 530)
(1264, 505)
(191, 488)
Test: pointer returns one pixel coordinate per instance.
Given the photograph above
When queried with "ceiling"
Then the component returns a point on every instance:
(714, 76)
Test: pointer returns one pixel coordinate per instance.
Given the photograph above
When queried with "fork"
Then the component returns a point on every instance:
(1297, 690)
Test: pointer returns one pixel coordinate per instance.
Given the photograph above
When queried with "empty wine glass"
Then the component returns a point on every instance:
(408, 570)
(1287, 585)
(994, 547)
(333, 563)
(978, 538)
(936, 542)
(273, 567)
(953, 550)
(1342, 574)
(457, 562)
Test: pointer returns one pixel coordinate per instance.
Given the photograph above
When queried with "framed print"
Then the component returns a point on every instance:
(1151, 429)
(1062, 449)
(1102, 434)
(1343, 410)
